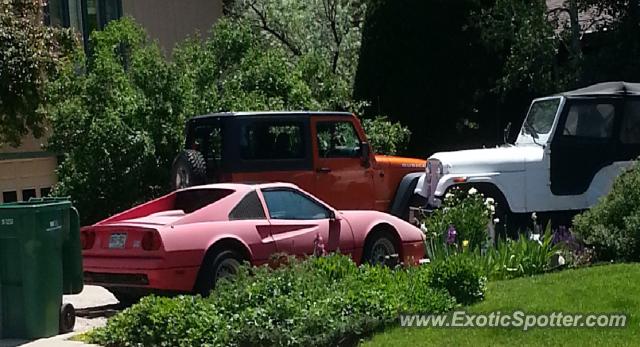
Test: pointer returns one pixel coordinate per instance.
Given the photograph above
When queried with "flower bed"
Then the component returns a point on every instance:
(317, 302)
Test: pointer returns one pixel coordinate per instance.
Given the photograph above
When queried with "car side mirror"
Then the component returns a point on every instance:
(333, 215)
(365, 153)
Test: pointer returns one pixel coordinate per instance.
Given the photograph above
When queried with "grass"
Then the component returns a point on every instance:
(600, 289)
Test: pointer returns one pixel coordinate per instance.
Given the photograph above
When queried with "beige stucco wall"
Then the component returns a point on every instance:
(171, 21)
(20, 174)
(26, 167)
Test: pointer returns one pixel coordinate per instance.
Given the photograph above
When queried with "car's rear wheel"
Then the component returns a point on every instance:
(224, 264)
(189, 169)
(381, 249)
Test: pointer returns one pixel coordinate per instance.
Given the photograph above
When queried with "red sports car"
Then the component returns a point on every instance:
(186, 240)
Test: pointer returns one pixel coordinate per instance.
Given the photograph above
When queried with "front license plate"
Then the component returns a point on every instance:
(117, 240)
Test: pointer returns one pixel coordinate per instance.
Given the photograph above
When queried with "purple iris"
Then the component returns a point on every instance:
(451, 234)
(562, 235)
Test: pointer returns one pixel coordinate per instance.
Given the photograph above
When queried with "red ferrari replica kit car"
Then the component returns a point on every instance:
(186, 240)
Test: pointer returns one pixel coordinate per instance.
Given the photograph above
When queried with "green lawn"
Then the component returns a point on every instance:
(604, 289)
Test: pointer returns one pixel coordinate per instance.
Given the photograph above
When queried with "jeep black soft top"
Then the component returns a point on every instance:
(605, 89)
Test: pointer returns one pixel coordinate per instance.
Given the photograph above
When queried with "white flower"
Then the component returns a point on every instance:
(492, 208)
(534, 216)
(536, 238)
(489, 201)
(496, 220)
(448, 196)
(472, 191)
(423, 227)
(561, 260)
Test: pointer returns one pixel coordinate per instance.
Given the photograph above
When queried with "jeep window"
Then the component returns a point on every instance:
(337, 139)
(590, 119)
(289, 204)
(541, 116)
(268, 140)
(630, 131)
(207, 139)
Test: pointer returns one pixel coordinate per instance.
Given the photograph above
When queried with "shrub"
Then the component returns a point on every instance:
(612, 227)
(464, 216)
(460, 276)
(317, 302)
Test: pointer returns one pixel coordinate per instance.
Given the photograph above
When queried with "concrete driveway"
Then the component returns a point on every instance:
(93, 306)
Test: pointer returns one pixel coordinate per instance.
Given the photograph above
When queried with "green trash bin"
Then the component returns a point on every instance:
(40, 260)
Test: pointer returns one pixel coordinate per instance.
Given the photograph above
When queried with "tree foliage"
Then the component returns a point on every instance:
(30, 54)
(423, 64)
(520, 34)
(118, 121)
(118, 115)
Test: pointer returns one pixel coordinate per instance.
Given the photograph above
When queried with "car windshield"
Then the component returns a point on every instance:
(540, 118)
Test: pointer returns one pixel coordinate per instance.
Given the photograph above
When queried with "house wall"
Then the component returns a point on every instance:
(171, 21)
(26, 168)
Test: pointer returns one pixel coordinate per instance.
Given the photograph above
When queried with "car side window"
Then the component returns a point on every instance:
(591, 120)
(249, 207)
(630, 131)
(272, 140)
(289, 204)
(337, 139)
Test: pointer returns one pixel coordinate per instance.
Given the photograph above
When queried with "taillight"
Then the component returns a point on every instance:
(151, 241)
(87, 239)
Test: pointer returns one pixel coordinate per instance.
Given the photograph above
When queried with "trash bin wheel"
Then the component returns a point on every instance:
(67, 318)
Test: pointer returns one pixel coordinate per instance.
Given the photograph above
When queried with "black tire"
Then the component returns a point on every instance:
(220, 265)
(381, 249)
(126, 299)
(189, 169)
(67, 318)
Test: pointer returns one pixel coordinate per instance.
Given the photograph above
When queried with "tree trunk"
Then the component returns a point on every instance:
(575, 29)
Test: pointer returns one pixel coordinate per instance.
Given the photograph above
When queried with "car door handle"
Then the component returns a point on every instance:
(323, 169)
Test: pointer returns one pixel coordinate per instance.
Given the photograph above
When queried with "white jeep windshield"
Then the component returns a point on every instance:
(539, 122)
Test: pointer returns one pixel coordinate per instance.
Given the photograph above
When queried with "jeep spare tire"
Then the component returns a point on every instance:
(189, 169)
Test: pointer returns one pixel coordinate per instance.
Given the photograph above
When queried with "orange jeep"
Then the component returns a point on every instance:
(324, 153)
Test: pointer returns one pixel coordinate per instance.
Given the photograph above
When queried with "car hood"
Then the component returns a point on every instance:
(401, 162)
(500, 159)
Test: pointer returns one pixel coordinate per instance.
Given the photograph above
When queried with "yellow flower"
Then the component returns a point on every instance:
(465, 243)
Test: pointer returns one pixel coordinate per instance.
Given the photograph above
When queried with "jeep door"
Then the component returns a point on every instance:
(298, 222)
(342, 179)
(584, 143)
(273, 148)
(629, 147)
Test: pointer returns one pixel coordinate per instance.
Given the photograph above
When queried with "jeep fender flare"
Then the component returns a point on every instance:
(487, 187)
(400, 204)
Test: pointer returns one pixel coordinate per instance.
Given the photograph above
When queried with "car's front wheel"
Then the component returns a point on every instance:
(381, 249)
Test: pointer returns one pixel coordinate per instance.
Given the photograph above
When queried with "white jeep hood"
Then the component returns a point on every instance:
(501, 159)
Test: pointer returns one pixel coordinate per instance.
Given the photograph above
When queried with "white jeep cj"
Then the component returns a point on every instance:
(567, 154)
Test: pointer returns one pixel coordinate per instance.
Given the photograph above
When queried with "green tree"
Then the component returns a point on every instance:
(30, 54)
(118, 119)
(424, 64)
(521, 34)
(323, 36)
